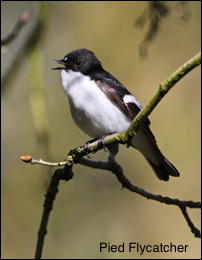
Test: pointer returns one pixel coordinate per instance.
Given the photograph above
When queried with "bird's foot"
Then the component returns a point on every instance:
(113, 150)
(82, 147)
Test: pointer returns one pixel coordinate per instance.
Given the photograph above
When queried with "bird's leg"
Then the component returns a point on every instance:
(84, 147)
(113, 150)
(101, 143)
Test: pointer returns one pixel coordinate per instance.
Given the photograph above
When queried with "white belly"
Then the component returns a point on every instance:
(91, 110)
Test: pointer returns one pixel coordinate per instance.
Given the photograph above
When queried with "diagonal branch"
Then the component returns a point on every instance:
(163, 89)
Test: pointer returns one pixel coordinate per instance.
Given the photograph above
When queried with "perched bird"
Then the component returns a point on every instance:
(101, 105)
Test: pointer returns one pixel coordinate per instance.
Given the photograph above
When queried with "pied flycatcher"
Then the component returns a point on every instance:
(101, 105)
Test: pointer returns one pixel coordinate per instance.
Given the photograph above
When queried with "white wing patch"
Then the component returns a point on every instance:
(131, 99)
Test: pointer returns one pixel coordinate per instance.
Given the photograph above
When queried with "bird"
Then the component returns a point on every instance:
(101, 105)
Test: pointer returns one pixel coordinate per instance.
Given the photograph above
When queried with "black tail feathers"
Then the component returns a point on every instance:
(164, 169)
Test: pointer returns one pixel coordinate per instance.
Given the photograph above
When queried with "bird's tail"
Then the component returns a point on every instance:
(164, 169)
(145, 142)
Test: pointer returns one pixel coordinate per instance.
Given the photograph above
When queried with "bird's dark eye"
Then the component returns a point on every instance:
(78, 62)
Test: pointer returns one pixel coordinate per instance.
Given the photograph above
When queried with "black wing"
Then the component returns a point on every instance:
(115, 91)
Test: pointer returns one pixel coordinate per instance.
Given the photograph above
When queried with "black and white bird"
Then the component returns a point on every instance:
(101, 105)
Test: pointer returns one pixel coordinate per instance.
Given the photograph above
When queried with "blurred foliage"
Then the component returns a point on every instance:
(92, 207)
(153, 14)
(30, 42)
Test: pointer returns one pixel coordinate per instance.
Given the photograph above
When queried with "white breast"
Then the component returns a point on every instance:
(91, 110)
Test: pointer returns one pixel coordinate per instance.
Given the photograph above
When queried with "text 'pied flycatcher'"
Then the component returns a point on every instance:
(101, 105)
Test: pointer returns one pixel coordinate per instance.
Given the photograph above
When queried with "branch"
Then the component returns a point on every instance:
(193, 229)
(34, 38)
(163, 89)
(29, 159)
(115, 168)
(76, 156)
(112, 166)
(22, 20)
(60, 174)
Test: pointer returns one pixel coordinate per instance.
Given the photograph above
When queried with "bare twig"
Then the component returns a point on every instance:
(34, 38)
(193, 229)
(60, 174)
(22, 20)
(115, 168)
(29, 159)
(112, 166)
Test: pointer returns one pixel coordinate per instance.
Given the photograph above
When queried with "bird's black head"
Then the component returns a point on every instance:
(81, 60)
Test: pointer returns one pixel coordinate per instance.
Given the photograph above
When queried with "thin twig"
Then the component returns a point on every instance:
(115, 168)
(22, 20)
(193, 229)
(34, 38)
(29, 159)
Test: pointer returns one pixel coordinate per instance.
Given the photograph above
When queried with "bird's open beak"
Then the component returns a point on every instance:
(59, 62)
